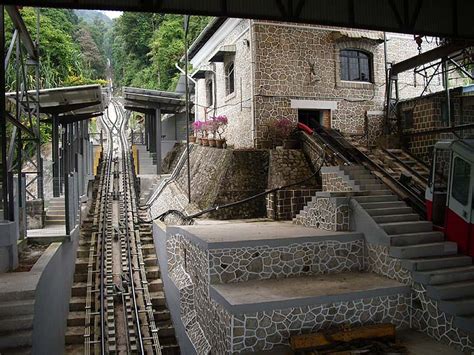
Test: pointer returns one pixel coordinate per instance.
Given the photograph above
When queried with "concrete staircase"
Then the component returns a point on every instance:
(147, 164)
(433, 262)
(56, 213)
(16, 321)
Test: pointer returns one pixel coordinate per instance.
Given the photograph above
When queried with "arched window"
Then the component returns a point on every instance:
(229, 78)
(209, 93)
(356, 65)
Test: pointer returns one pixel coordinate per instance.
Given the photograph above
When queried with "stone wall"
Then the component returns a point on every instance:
(288, 166)
(298, 259)
(34, 214)
(326, 212)
(429, 113)
(244, 176)
(286, 204)
(267, 329)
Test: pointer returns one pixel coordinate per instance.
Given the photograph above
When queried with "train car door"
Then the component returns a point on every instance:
(459, 216)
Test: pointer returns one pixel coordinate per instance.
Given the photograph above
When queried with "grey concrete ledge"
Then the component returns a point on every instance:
(268, 295)
(257, 234)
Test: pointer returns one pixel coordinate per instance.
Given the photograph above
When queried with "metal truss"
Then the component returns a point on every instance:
(20, 140)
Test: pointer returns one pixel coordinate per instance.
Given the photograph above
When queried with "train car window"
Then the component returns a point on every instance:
(461, 180)
(442, 160)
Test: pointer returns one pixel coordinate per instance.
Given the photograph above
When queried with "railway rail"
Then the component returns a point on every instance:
(118, 304)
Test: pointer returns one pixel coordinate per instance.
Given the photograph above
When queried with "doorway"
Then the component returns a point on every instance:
(315, 118)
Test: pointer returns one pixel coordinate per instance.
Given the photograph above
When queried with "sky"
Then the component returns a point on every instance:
(112, 14)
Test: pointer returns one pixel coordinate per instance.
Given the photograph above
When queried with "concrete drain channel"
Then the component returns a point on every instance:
(117, 300)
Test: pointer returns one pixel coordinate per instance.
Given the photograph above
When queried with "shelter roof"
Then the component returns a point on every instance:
(145, 100)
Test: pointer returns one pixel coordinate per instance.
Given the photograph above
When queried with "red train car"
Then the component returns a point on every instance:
(450, 193)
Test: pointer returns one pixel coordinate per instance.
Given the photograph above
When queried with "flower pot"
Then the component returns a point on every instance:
(199, 141)
(205, 142)
(212, 142)
(220, 143)
(290, 144)
(192, 139)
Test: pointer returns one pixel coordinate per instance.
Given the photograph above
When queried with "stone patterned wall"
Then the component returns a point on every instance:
(328, 213)
(265, 262)
(209, 323)
(335, 182)
(379, 262)
(264, 330)
(288, 166)
(286, 204)
(245, 176)
(428, 318)
(428, 115)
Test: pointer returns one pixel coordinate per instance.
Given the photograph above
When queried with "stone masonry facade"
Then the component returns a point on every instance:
(277, 63)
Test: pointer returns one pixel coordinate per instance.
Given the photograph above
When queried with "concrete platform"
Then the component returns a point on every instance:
(260, 295)
(49, 234)
(237, 234)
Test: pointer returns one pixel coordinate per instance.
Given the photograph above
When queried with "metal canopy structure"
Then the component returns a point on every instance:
(68, 101)
(145, 101)
(441, 18)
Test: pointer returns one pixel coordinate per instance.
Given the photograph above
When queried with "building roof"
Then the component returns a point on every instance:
(352, 34)
(76, 101)
(146, 101)
(205, 35)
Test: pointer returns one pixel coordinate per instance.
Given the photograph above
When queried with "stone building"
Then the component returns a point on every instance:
(255, 71)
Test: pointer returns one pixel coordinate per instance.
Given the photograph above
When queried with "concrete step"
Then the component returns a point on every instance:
(16, 323)
(155, 285)
(365, 180)
(353, 168)
(77, 304)
(152, 272)
(451, 290)
(369, 187)
(396, 218)
(422, 250)
(17, 339)
(12, 308)
(79, 289)
(444, 276)
(379, 198)
(76, 319)
(407, 227)
(438, 262)
(383, 191)
(381, 205)
(389, 211)
(465, 322)
(74, 335)
(158, 299)
(457, 306)
(416, 238)
(61, 214)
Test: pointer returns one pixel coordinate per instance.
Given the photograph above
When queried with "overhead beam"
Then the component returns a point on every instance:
(426, 17)
(429, 56)
(18, 23)
(77, 118)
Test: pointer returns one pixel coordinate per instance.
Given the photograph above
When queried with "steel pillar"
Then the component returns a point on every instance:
(147, 130)
(3, 120)
(56, 163)
(158, 139)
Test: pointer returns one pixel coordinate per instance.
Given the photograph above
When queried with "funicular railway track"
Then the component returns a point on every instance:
(124, 309)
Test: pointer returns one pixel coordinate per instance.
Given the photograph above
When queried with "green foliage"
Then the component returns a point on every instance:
(145, 48)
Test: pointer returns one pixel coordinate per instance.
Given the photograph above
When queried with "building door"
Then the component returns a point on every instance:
(315, 118)
(459, 217)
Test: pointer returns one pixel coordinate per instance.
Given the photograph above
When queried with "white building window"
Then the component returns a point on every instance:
(209, 93)
(229, 78)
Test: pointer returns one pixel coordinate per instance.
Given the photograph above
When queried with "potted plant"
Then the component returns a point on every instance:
(282, 131)
(198, 129)
(204, 134)
(221, 123)
(196, 126)
(212, 126)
